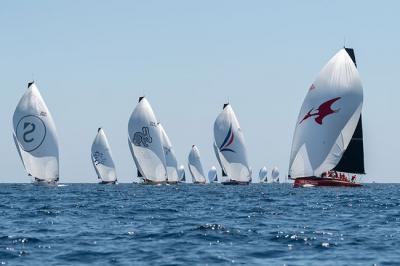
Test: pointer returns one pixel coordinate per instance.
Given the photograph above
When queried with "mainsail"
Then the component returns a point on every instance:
(262, 175)
(229, 146)
(102, 158)
(195, 166)
(328, 132)
(35, 136)
(170, 158)
(145, 143)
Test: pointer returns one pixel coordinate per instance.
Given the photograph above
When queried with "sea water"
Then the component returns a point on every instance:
(259, 224)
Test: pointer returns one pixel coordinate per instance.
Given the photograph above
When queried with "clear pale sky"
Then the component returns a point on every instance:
(91, 60)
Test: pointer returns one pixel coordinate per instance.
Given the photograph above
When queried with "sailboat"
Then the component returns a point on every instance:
(182, 174)
(102, 159)
(262, 175)
(230, 149)
(145, 144)
(212, 175)
(328, 139)
(170, 158)
(275, 174)
(35, 137)
(195, 166)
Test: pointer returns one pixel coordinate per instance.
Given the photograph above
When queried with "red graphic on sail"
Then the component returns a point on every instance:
(322, 111)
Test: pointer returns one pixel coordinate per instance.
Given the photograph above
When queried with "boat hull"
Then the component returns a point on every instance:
(234, 183)
(149, 182)
(201, 183)
(313, 181)
(108, 182)
(40, 182)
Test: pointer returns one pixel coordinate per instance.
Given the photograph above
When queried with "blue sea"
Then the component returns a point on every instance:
(259, 224)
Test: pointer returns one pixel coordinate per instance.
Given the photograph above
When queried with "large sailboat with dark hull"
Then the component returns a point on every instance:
(327, 148)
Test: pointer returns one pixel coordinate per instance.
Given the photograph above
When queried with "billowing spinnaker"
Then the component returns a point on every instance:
(195, 166)
(275, 172)
(230, 146)
(327, 118)
(181, 173)
(145, 138)
(102, 158)
(35, 136)
(212, 174)
(170, 158)
(262, 175)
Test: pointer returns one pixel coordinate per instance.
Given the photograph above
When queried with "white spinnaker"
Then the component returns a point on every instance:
(170, 158)
(181, 173)
(212, 174)
(102, 158)
(327, 118)
(275, 172)
(230, 145)
(145, 139)
(195, 166)
(35, 136)
(262, 175)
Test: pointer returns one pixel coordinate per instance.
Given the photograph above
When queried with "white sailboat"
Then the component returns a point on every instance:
(145, 144)
(102, 159)
(35, 137)
(275, 174)
(212, 175)
(182, 174)
(230, 149)
(195, 166)
(262, 175)
(328, 135)
(170, 158)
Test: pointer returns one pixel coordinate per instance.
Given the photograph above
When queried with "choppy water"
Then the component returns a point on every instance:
(132, 224)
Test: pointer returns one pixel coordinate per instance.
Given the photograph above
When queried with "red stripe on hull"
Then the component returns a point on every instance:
(323, 182)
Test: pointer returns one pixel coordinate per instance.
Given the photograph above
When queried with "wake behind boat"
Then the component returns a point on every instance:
(328, 140)
(35, 138)
(230, 149)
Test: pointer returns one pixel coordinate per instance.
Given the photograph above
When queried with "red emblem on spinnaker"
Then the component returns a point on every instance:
(322, 111)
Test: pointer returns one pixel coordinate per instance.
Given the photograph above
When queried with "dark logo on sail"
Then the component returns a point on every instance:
(30, 132)
(227, 141)
(167, 150)
(99, 158)
(322, 111)
(142, 138)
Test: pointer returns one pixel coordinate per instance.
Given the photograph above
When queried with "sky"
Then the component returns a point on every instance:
(91, 60)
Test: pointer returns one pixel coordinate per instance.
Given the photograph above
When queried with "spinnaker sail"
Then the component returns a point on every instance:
(145, 143)
(102, 158)
(195, 166)
(35, 137)
(229, 146)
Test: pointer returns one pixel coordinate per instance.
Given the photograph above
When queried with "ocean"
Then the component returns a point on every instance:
(186, 224)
